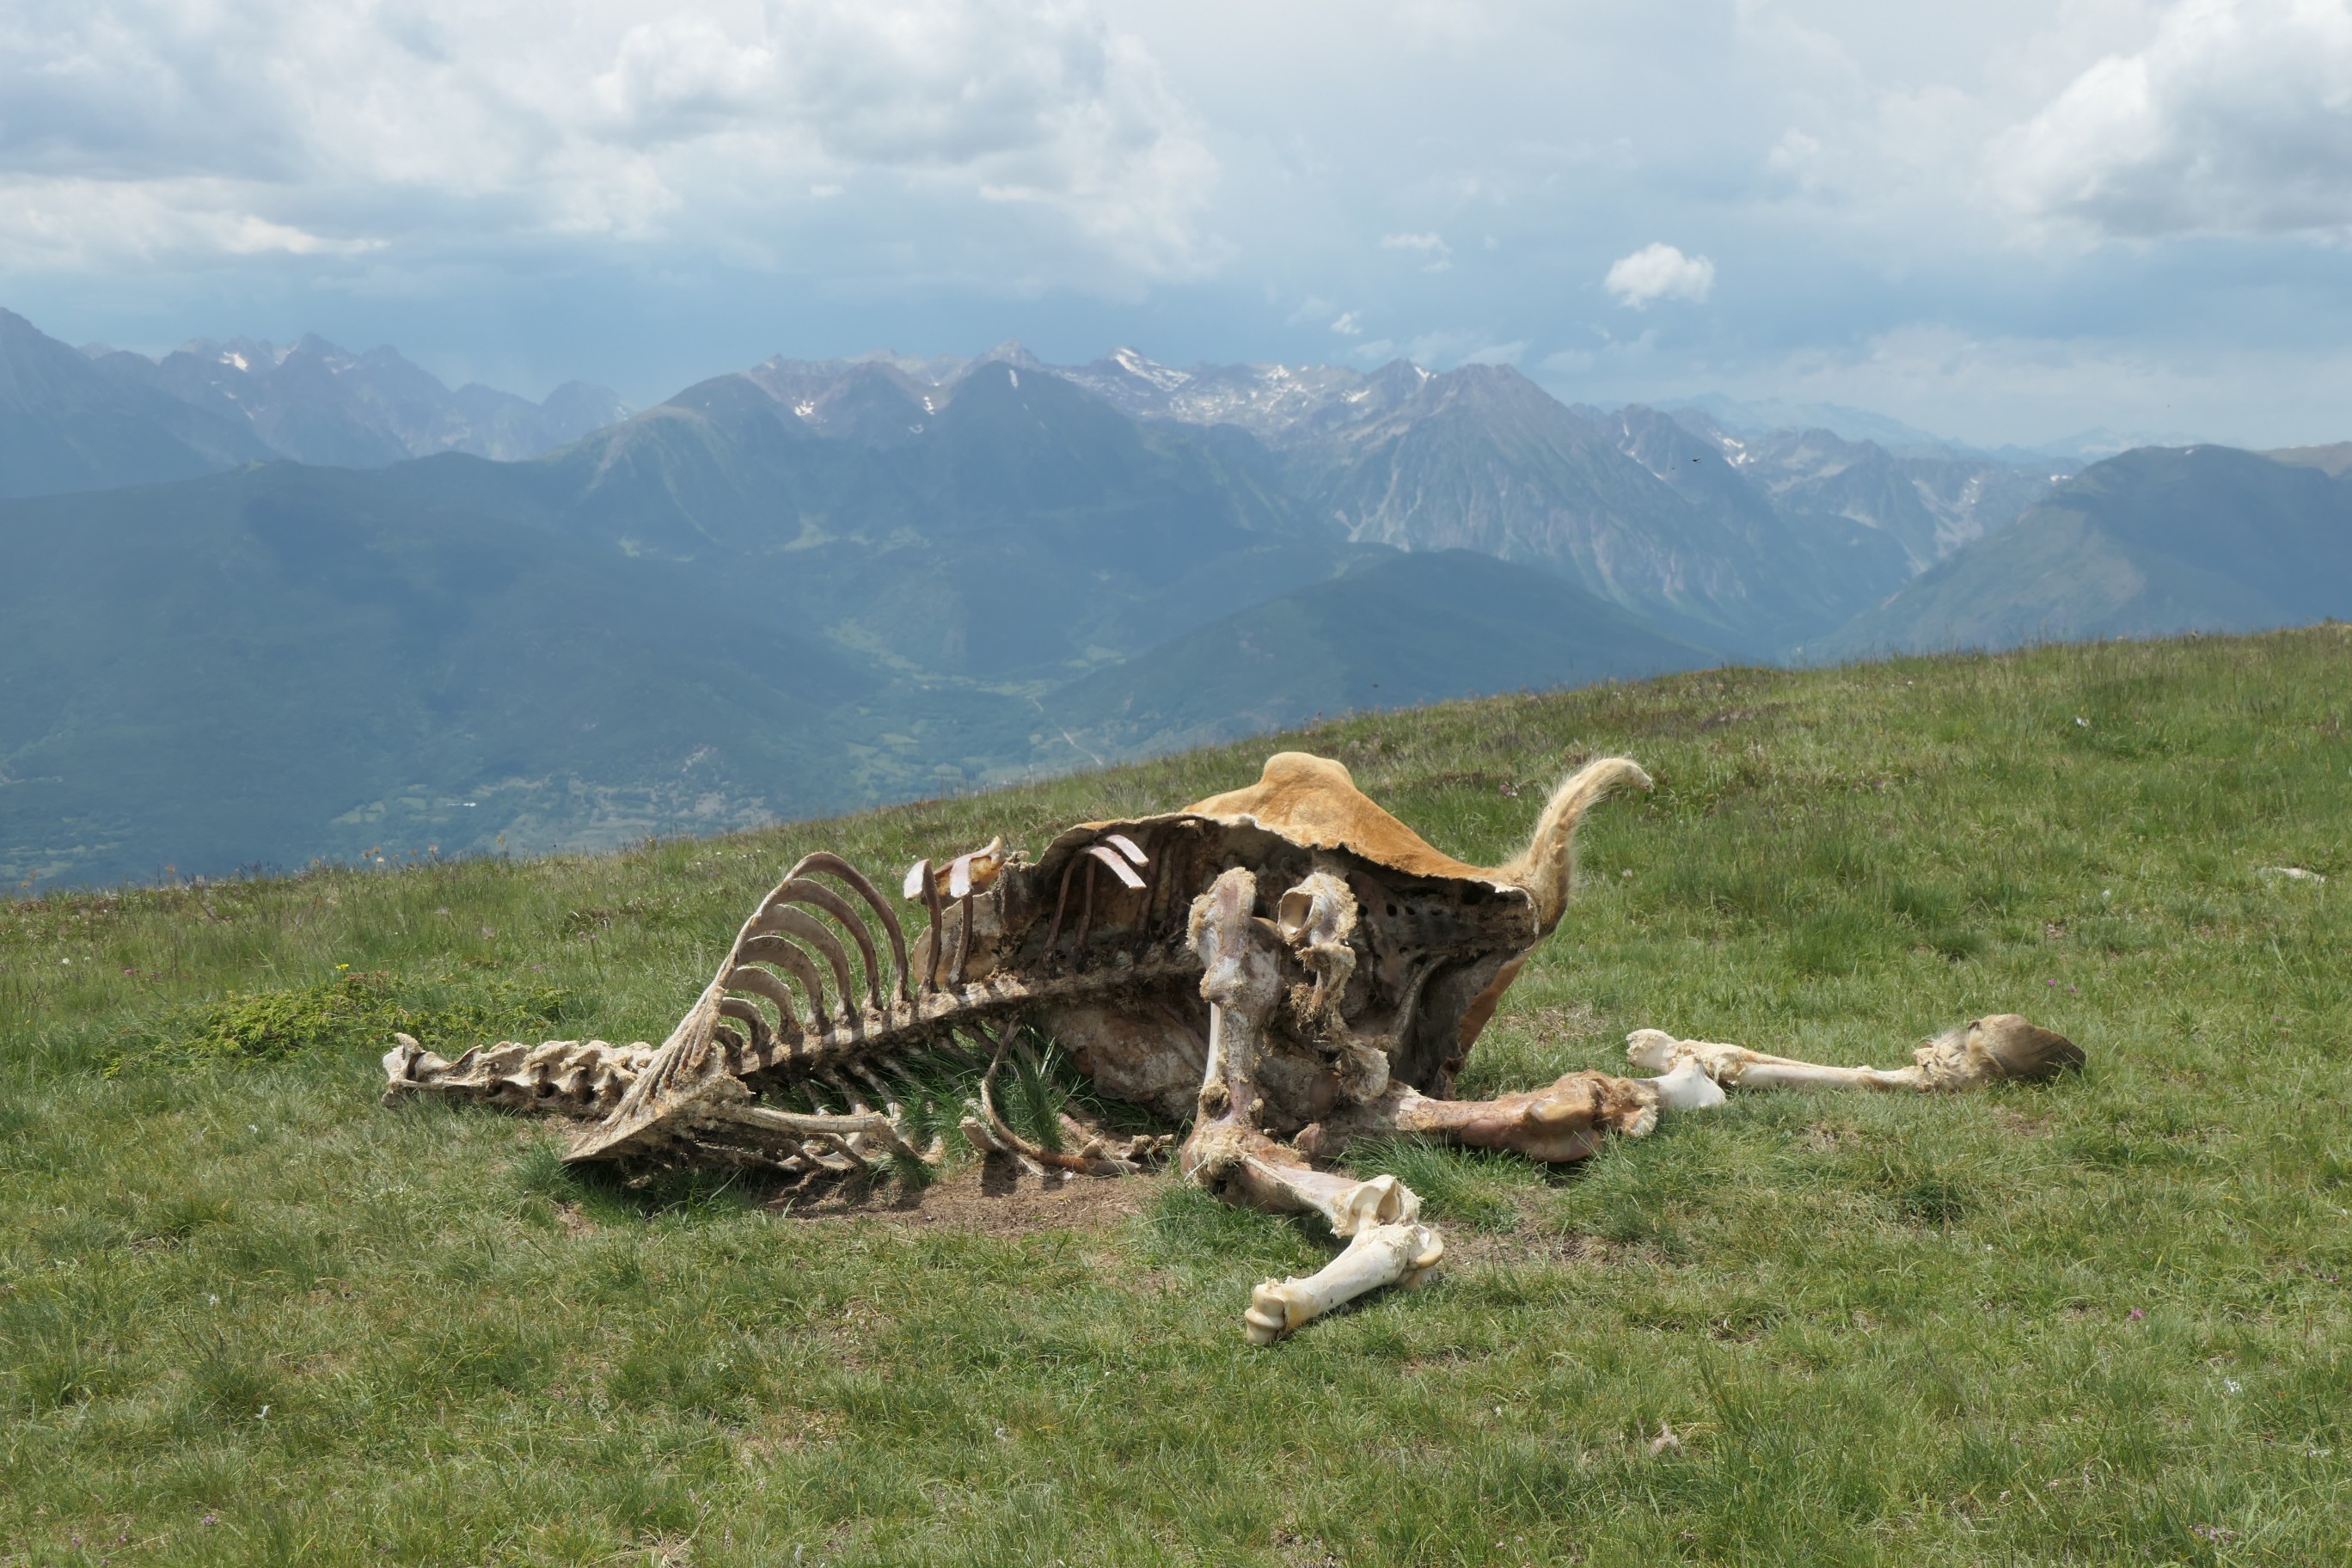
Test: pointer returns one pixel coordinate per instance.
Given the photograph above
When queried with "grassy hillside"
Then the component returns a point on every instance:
(246, 1316)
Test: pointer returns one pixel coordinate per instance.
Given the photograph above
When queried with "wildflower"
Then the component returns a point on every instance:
(2135, 1314)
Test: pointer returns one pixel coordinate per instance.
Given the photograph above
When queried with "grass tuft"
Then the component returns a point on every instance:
(353, 1014)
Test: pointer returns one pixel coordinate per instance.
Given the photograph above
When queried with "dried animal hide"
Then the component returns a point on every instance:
(1287, 966)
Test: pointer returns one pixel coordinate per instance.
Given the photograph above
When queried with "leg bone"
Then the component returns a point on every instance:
(1566, 1121)
(2000, 1048)
(1228, 1154)
(1377, 1256)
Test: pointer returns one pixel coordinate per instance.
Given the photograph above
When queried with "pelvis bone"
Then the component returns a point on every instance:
(1286, 966)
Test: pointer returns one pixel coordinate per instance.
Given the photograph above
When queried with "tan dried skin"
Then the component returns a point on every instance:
(1286, 966)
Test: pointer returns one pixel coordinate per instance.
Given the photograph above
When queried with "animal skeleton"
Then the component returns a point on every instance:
(1347, 969)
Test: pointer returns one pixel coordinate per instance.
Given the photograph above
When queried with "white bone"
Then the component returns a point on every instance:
(1687, 1088)
(1118, 867)
(2000, 1047)
(1378, 1256)
(1738, 1067)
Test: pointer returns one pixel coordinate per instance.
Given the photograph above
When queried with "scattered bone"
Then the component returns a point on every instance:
(1381, 1255)
(2000, 1048)
(559, 1077)
(1286, 964)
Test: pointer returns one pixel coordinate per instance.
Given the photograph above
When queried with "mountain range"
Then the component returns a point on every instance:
(2158, 541)
(464, 623)
(97, 418)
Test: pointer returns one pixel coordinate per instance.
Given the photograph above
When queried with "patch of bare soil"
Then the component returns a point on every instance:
(990, 1197)
(1466, 1249)
(2022, 1123)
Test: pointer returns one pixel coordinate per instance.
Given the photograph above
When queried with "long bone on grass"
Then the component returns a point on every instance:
(1286, 966)
(1997, 1048)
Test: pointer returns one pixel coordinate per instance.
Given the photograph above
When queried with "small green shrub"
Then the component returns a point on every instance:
(350, 1015)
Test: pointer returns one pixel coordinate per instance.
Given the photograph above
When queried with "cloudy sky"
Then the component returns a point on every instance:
(2001, 221)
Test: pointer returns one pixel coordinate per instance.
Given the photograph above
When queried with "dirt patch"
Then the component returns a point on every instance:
(997, 1198)
(1467, 1249)
(1536, 1238)
(1829, 1137)
(2023, 1123)
(1577, 1021)
(991, 1197)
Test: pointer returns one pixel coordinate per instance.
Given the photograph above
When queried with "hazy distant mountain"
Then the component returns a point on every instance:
(1405, 629)
(1930, 502)
(65, 425)
(2154, 542)
(1271, 402)
(2334, 459)
(315, 403)
(2071, 452)
(1482, 458)
(815, 585)
(1748, 544)
(1755, 417)
(1006, 526)
(285, 662)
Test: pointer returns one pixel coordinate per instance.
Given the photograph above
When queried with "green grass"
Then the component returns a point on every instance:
(247, 1316)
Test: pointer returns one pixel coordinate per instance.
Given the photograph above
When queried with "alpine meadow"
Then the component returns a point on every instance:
(247, 1315)
(1368, 783)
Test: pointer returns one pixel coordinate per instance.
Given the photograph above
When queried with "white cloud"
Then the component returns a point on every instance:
(437, 119)
(1347, 326)
(1432, 245)
(1995, 387)
(1659, 271)
(1445, 347)
(2235, 118)
(1498, 354)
